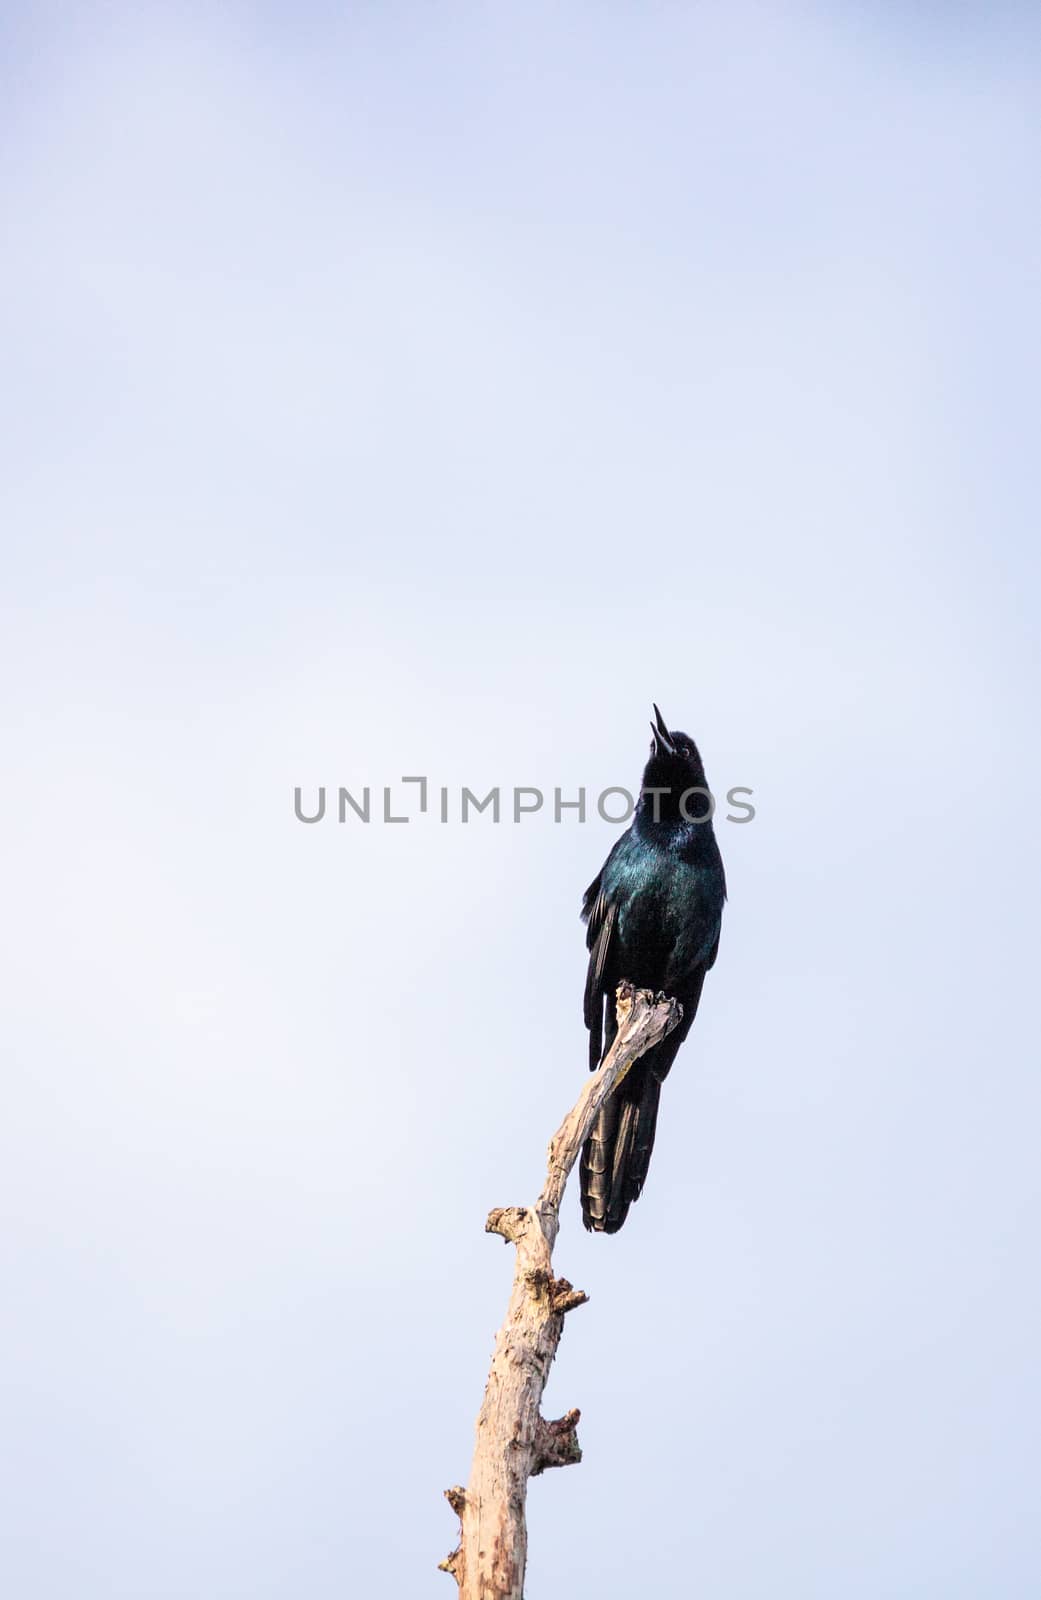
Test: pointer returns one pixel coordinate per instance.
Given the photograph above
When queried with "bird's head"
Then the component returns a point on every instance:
(674, 766)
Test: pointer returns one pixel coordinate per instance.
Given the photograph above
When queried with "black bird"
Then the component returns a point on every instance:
(653, 915)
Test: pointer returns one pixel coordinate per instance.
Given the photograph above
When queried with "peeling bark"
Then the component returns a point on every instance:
(514, 1442)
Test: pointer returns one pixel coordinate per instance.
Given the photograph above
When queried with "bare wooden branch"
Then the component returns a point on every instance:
(514, 1442)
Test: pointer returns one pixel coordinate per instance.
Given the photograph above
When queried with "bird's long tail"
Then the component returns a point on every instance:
(617, 1154)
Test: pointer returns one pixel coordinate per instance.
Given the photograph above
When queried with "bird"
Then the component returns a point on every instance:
(653, 915)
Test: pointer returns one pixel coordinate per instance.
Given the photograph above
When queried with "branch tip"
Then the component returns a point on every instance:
(507, 1221)
(625, 997)
(556, 1444)
(564, 1297)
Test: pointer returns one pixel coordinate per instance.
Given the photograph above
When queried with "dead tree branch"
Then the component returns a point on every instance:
(514, 1442)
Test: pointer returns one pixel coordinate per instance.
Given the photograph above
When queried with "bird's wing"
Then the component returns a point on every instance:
(602, 915)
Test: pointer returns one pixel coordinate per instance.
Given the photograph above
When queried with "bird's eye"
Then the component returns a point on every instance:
(685, 751)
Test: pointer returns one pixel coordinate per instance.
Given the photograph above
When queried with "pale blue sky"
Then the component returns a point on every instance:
(412, 389)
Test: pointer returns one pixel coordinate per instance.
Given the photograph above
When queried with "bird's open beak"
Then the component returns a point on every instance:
(662, 737)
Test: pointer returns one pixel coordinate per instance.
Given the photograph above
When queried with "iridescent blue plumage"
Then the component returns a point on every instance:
(653, 914)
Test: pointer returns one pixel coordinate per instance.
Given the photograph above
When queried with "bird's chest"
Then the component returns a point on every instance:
(665, 925)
